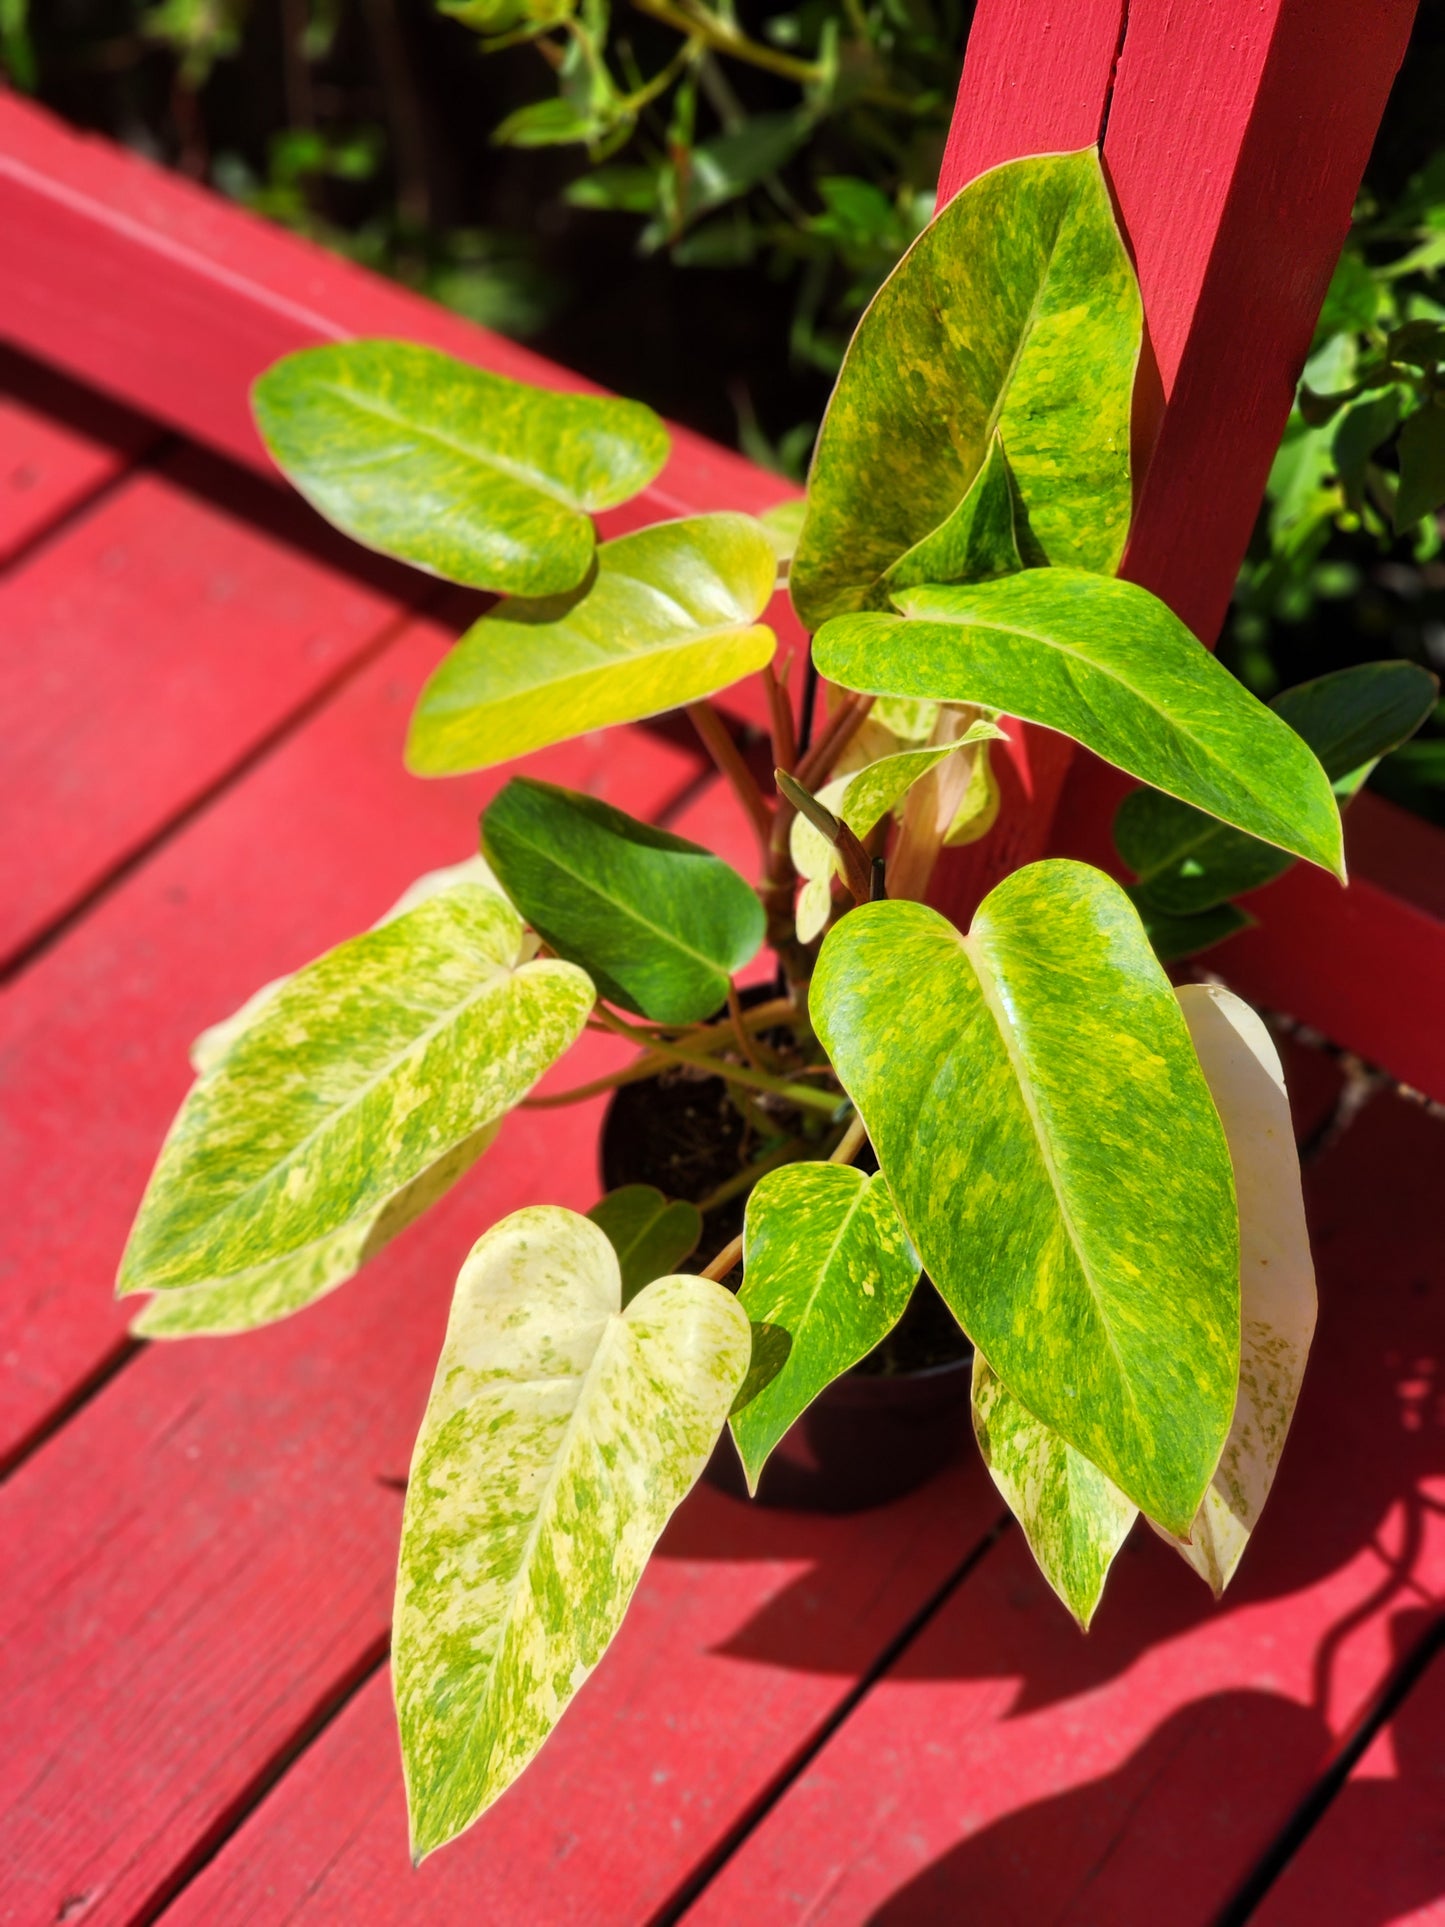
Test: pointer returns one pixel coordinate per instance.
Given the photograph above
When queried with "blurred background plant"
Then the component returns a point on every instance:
(693, 203)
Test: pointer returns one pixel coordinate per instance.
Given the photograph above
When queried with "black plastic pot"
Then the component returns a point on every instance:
(872, 1435)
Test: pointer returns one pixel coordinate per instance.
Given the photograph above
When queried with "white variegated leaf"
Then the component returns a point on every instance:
(1276, 1274)
(1074, 1518)
(361, 1089)
(561, 1433)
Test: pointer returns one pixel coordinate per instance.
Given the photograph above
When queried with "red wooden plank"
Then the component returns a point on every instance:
(1378, 1855)
(1009, 1770)
(314, 844)
(58, 445)
(150, 647)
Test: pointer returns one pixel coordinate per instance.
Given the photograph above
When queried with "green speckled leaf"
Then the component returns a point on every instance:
(360, 1089)
(1187, 862)
(1074, 1518)
(561, 1433)
(826, 1262)
(1109, 664)
(977, 542)
(465, 474)
(650, 1233)
(669, 616)
(659, 924)
(1037, 1107)
(1015, 313)
(1276, 1273)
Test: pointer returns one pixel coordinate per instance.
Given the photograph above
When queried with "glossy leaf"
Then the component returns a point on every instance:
(561, 1433)
(463, 473)
(1037, 1107)
(659, 924)
(1422, 465)
(977, 542)
(783, 522)
(1074, 1518)
(1016, 313)
(359, 1091)
(826, 1263)
(651, 1234)
(1174, 937)
(1276, 1273)
(1109, 664)
(1187, 862)
(670, 615)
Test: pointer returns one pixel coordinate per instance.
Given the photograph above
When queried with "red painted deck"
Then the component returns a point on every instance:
(877, 1719)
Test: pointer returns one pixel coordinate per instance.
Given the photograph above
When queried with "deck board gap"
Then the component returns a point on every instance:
(753, 1816)
(64, 1410)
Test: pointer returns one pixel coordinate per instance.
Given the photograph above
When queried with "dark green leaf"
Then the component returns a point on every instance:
(657, 923)
(1365, 426)
(1353, 300)
(1039, 1112)
(1422, 466)
(977, 541)
(650, 1234)
(1110, 665)
(1173, 938)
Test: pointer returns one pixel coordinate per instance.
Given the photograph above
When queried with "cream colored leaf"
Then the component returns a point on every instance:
(561, 1433)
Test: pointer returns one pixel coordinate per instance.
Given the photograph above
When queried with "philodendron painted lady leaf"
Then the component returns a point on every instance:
(362, 1088)
(1050, 1142)
(669, 615)
(561, 1433)
(474, 477)
(827, 1272)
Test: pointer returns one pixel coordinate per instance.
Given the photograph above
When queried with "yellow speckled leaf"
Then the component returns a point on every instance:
(1276, 1273)
(561, 1433)
(1053, 1150)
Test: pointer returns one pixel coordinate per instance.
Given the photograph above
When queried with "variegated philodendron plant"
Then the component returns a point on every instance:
(1096, 1170)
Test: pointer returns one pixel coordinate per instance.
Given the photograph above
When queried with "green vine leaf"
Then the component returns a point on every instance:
(1276, 1273)
(659, 924)
(976, 543)
(355, 1096)
(466, 474)
(651, 1234)
(1056, 1158)
(561, 1433)
(1016, 313)
(1187, 863)
(669, 616)
(1173, 938)
(1109, 664)
(1074, 1518)
(826, 1263)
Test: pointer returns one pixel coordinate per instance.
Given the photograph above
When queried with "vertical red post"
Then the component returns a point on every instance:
(1235, 134)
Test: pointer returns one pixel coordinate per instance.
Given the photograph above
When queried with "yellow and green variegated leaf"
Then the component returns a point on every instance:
(912, 722)
(670, 615)
(783, 523)
(466, 474)
(827, 1273)
(658, 923)
(1112, 666)
(1276, 1274)
(366, 1082)
(651, 1234)
(1188, 863)
(977, 542)
(1074, 1518)
(561, 1433)
(1015, 314)
(213, 1043)
(1056, 1158)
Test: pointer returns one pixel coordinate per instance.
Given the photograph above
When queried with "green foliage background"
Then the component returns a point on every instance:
(545, 166)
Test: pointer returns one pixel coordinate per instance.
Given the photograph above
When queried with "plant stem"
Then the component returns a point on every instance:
(802, 1095)
(840, 731)
(729, 759)
(744, 1180)
(785, 748)
(720, 1266)
(850, 1144)
(729, 40)
(745, 1043)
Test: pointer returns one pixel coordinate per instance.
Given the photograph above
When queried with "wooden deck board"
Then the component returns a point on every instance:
(1010, 1771)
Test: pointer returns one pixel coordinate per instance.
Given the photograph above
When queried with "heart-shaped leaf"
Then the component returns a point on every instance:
(360, 1090)
(1276, 1274)
(1109, 664)
(1039, 1112)
(659, 924)
(650, 1233)
(1015, 313)
(466, 474)
(1187, 862)
(827, 1263)
(1074, 1518)
(669, 616)
(561, 1433)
